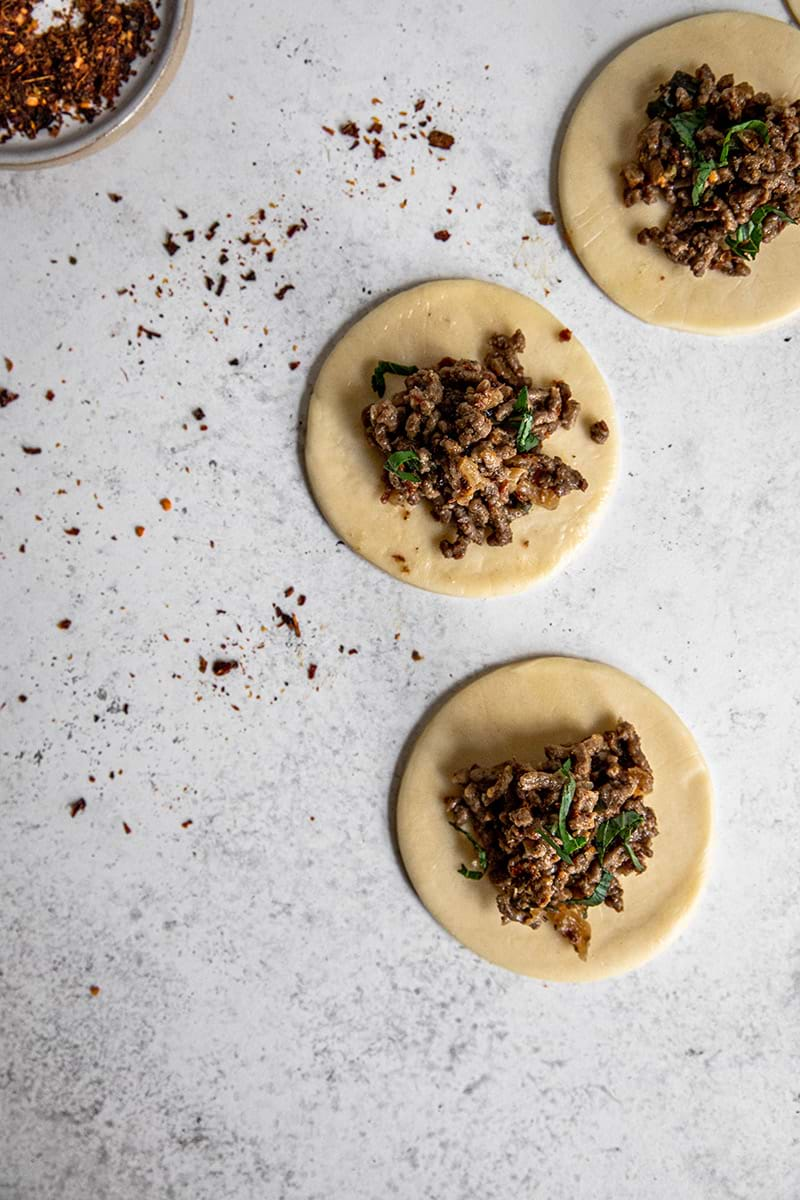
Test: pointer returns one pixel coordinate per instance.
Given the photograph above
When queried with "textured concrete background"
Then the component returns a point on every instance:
(278, 1017)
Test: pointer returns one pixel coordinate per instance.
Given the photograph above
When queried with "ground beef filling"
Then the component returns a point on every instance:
(730, 189)
(463, 422)
(505, 808)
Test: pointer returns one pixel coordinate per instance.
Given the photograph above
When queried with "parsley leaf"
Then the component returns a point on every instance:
(600, 892)
(621, 826)
(527, 440)
(387, 368)
(571, 844)
(704, 170)
(482, 862)
(395, 461)
(760, 128)
(553, 844)
(686, 125)
(746, 240)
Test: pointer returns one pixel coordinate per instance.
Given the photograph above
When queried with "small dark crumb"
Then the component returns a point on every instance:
(294, 365)
(442, 235)
(222, 666)
(22, 547)
(9, 363)
(312, 670)
(189, 235)
(417, 657)
(186, 824)
(349, 129)
(353, 651)
(545, 217)
(94, 990)
(599, 432)
(73, 531)
(183, 214)
(288, 619)
(139, 530)
(400, 558)
(442, 141)
(127, 829)
(203, 665)
(289, 591)
(223, 279)
(233, 362)
(565, 335)
(148, 333)
(72, 260)
(301, 600)
(298, 227)
(32, 449)
(76, 806)
(198, 414)
(328, 129)
(65, 623)
(249, 277)
(23, 699)
(281, 292)
(209, 283)
(170, 245)
(212, 229)
(7, 397)
(114, 197)
(166, 504)
(378, 150)
(49, 395)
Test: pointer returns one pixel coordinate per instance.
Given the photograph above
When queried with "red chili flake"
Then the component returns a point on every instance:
(76, 806)
(349, 129)
(94, 990)
(442, 141)
(32, 449)
(281, 292)
(288, 619)
(186, 824)
(222, 666)
(223, 258)
(212, 229)
(148, 333)
(289, 592)
(170, 245)
(328, 129)
(417, 657)
(73, 531)
(297, 228)
(203, 663)
(442, 235)
(9, 364)
(65, 623)
(223, 279)
(419, 105)
(209, 283)
(293, 366)
(249, 277)
(165, 504)
(139, 530)
(301, 600)
(127, 829)
(353, 651)
(375, 126)
(377, 149)
(545, 217)
(189, 235)
(114, 197)
(182, 213)
(312, 670)
(49, 395)
(565, 335)
(7, 397)
(198, 414)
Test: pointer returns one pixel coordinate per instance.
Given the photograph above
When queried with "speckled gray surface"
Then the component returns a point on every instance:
(277, 1015)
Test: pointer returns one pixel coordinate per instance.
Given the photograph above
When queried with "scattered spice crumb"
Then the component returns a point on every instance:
(139, 530)
(203, 664)
(378, 150)
(417, 657)
(294, 365)
(442, 235)
(233, 362)
(7, 397)
(565, 335)
(352, 651)
(165, 504)
(186, 824)
(328, 129)
(32, 449)
(298, 227)
(170, 245)
(94, 990)
(442, 141)
(148, 333)
(23, 699)
(198, 414)
(288, 619)
(545, 217)
(599, 432)
(114, 197)
(73, 531)
(76, 806)
(65, 623)
(301, 599)
(289, 591)
(223, 666)
(126, 827)
(9, 364)
(312, 670)
(281, 292)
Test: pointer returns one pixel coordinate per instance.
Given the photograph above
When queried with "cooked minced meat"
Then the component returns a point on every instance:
(599, 432)
(556, 838)
(728, 161)
(467, 438)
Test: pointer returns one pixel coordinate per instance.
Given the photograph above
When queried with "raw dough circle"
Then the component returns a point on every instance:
(601, 138)
(794, 8)
(514, 712)
(452, 317)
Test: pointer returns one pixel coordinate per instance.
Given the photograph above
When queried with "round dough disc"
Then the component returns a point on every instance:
(601, 138)
(794, 8)
(452, 317)
(514, 712)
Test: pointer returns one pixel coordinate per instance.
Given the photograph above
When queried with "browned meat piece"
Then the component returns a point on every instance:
(599, 432)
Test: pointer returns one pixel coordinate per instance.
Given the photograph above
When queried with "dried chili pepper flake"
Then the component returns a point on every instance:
(166, 504)
(73, 531)
(139, 530)
(249, 277)
(182, 213)
(76, 806)
(9, 363)
(148, 333)
(114, 197)
(565, 335)
(198, 414)
(378, 150)
(7, 397)
(32, 449)
(127, 829)
(349, 129)
(65, 623)
(223, 666)
(441, 141)
(288, 592)
(220, 288)
(294, 365)
(442, 235)
(209, 283)
(186, 824)
(203, 664)
(301, 599)
(298, 227)
(49, 395)
(211, 231)
(170, 245)
(327, 129)
(375, 126)
(233, 362)
(281, 292)
(288, 619)
(417, 657)
(312, 670)
(94, 990)
(352, 651)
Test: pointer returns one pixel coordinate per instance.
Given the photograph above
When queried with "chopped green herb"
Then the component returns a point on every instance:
(571, 844)
(686, 125)
(599, 894)
(387, 368)
(395, 461)
(621, 826)
(527, 440)
(482, 862)
(760, 128)
(553, 844)
(747, 239)
(704, 170)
